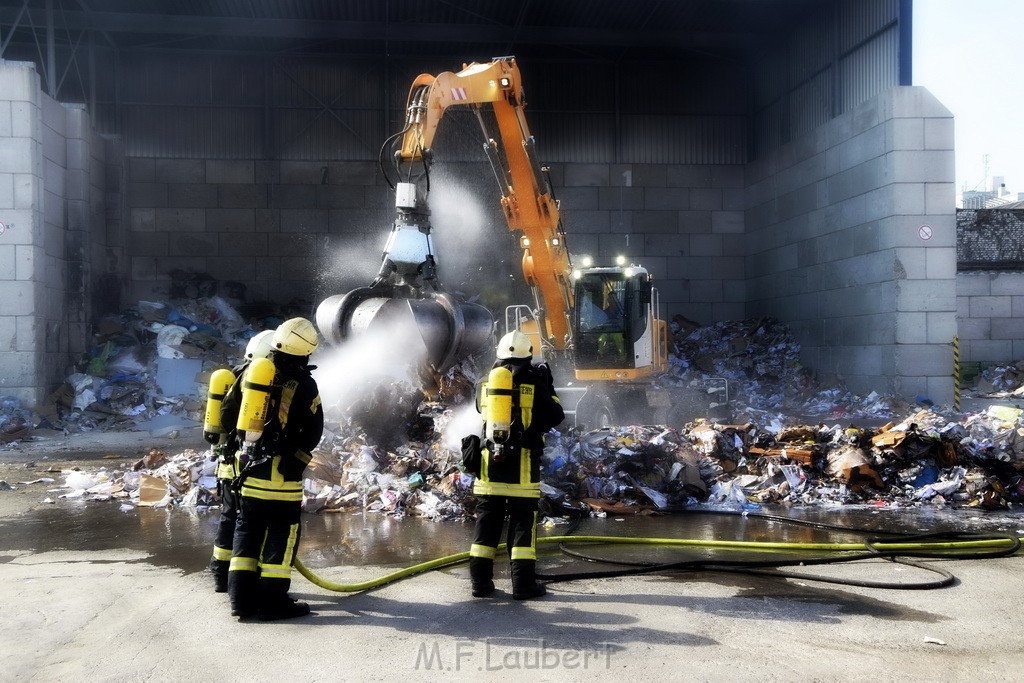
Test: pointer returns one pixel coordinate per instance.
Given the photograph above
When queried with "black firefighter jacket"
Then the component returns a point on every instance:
(535, 410)
(293, 429)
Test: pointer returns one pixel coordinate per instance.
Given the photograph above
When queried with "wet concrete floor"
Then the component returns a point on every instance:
(182, 538)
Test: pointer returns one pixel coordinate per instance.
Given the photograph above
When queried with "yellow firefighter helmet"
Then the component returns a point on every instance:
(297, 337)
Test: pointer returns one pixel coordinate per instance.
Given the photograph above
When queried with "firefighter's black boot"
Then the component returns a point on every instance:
(244, 591)
(288, 609)
(524, 580)
(275, 603)
(219, 569)
(481, 571)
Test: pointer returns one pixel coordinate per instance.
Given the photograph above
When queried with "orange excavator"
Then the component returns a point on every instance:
(600, 323)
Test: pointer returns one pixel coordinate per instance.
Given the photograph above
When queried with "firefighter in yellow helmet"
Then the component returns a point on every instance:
(224, 448)
(279, 422)
(519, 405)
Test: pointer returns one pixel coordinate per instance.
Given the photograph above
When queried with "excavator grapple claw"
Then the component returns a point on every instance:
(448, 329)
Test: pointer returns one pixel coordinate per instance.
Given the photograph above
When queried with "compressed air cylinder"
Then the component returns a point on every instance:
(256, 385)
(499, 404)
(220, 381)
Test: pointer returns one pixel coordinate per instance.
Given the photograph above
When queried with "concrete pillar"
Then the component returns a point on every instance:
(51, 193)
(22, 253)
(851, 239)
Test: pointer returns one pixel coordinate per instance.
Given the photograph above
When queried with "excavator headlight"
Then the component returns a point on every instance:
(576, 274)
(620, 260)
(555, 241)
(524, 242)
(628, 272)
(505, 81)
(587, 261)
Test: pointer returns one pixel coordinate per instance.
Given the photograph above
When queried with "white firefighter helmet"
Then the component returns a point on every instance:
(260, 345)
(297, 337)
(515, 344)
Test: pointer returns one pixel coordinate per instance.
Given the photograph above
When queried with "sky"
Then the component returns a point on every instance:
(970, 55)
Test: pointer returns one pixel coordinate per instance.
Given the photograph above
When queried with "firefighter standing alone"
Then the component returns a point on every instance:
(518, 404)
(279, 421)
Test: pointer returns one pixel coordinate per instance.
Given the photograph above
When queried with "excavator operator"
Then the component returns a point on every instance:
(508, 472)
(602, 320)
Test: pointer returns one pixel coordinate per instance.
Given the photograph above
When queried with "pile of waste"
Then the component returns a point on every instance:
(760, 360)
(146, 364)
(925, 459)
(420, 478)
(392, 452)
(1002, 380)
(156, 480)
(15, 422)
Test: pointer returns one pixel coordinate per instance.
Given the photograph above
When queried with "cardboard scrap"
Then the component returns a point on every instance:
(802, 455)
(151, 490)
(614, 507)
(888, 437)
(853, 465)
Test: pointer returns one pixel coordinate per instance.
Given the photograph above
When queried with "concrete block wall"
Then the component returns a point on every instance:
(22, 252)
(50, 159)
(850, 239)
(110, 258)
(990, 316)
(286, 231)
(301, 230)
(684, 223)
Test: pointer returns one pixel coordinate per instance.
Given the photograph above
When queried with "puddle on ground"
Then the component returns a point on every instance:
(183, 538)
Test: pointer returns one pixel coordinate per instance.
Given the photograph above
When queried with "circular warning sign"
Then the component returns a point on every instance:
(925, 232)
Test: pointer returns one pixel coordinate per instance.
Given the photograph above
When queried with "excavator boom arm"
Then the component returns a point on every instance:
(525, 196)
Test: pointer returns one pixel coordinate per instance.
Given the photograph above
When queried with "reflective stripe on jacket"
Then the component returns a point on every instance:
(266, 482)
(227, 470)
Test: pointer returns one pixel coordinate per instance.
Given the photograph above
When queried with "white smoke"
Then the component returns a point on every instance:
(352, 264)
(383, 354)
(463, 421)
(469, 231)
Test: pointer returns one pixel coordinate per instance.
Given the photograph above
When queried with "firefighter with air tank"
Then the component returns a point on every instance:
(224, 450)
(518, 404)
(279, 421)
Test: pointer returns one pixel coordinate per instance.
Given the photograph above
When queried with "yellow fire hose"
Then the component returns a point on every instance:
(456, 558)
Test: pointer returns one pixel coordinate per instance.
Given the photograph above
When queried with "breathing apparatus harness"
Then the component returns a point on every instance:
(220, 438)
(260, 422)
(259, 396)
(501, 403)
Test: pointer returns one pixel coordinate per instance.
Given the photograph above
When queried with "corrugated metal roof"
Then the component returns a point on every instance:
(605, 29)
(609, 80)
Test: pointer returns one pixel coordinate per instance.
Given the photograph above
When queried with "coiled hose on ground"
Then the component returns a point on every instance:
(895, 547)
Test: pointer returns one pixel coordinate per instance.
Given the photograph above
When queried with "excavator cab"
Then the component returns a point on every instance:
(617, 335)
(603, 321)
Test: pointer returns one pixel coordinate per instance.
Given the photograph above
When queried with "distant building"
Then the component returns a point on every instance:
(998, 196)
